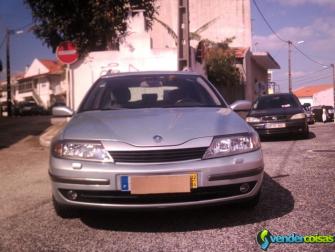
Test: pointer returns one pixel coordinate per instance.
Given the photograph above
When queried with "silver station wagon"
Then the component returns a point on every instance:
(154, 140)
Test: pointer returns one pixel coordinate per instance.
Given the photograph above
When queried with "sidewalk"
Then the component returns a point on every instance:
(57, 124)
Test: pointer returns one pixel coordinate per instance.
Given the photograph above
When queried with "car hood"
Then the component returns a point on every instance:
(279, 111)
(138, 126)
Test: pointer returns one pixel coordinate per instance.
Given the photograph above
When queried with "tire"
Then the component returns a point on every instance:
(63, 211)
(305, 133)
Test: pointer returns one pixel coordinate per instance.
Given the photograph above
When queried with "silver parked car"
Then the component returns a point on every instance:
(154, 140)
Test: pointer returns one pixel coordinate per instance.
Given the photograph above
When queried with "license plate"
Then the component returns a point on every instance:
(159, 184)
(275, 125)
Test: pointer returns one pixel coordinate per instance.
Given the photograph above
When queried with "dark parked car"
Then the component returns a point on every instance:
(318, 110)
(310, 116)
(278, 114)
(3, 109)
(30, 108)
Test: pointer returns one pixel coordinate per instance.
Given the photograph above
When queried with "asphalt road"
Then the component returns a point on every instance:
(298, 197)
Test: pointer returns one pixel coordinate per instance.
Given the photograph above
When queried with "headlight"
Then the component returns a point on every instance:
(298, 116)
(92, 151)
(252, 119)
(232, 145)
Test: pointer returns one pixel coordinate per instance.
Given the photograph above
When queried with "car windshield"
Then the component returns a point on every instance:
(275, 102)
(150, 91)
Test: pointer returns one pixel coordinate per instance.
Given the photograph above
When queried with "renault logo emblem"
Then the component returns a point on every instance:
(158, 139)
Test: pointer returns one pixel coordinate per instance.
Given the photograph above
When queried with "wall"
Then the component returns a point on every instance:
(43, 91)
(255, 75)
(306, 100)
(325, 97)
(232, 19)
(88, 70)
(36, 68)
(135, 54)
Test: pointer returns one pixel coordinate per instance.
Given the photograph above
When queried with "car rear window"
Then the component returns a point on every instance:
(151, 91)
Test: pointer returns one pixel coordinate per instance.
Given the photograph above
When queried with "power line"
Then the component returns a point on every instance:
(305, 76)
(308, 57)
(3, 41)
(268, 24)
(283, 40)
(321, 78)
(309, 80)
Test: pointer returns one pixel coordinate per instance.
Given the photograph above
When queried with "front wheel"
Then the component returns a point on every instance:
(305, 133)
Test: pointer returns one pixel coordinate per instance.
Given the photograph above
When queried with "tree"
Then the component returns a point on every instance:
(219, 58)
(220, 64)
(91, 24)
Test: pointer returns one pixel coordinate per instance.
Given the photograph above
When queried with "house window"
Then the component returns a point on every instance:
(35, 81)
(26, 86)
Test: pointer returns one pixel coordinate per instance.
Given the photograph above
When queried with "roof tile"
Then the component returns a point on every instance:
(52, 65)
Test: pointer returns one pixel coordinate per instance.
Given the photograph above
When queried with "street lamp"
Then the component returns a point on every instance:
(9, 92)
(289, 42)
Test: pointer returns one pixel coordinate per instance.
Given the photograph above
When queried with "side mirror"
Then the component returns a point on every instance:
(241, 105)
(62, 111)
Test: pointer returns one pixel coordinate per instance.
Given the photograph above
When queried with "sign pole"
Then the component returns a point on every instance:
(68, 90)
(72, 89)
(66, 53)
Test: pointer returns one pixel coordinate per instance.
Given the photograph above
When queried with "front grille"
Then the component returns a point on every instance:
(119, 197)
(274, 118)
(157, 156)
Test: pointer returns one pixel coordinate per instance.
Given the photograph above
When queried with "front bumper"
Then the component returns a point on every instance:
(98, 184)
(293, 126)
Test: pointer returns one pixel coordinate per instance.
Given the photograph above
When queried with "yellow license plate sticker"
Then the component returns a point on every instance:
(194, 180)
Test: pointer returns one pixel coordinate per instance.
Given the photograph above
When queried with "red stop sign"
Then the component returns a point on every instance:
(66, 52)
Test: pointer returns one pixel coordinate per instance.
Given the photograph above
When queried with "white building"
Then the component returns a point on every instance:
(135, 54)
(316, 95)
(44, 81)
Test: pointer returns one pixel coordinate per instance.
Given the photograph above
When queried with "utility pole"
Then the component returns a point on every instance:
(289, 67)
(332, 65)
(9, 91)
(183, 35)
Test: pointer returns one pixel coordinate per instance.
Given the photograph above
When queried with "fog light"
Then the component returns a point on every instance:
(244, 188)
(72, 195)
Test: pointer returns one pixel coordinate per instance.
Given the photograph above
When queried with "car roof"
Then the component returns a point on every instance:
(149, 73)
(278, 94)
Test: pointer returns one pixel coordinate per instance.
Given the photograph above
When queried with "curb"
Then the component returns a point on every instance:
(46, 138)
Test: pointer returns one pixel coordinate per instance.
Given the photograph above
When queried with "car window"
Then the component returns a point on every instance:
(275, 102)
(150, 91)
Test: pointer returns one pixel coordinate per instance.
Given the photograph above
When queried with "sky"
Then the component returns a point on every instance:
(311, 21)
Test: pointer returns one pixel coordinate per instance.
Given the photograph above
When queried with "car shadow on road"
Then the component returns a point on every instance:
(13, 130)
(275, 202)
(280, 138)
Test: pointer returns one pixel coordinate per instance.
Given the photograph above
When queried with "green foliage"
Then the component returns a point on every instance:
(220, 64)
(91, 24)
